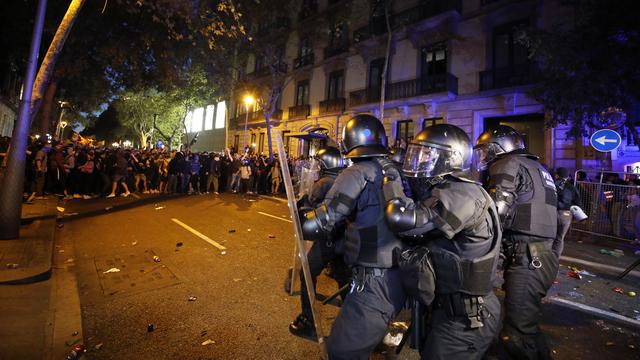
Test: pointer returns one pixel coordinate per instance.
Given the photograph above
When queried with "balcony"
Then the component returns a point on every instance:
(299, 111)
(331, 51)
(281, 23)
(407, 89)
(256, 117)
(303, 60)
(509, 76)
(377, 26)
(332, 106)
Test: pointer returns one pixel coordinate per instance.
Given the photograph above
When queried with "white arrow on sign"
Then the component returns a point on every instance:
(603, 139)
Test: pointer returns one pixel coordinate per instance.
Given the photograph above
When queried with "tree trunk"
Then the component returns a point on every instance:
(12, 181)
(383, 82)
(48, 64)
(47, 106)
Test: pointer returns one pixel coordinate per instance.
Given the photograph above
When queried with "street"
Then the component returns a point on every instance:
(236, 277)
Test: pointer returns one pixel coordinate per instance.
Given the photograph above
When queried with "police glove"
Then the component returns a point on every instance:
(312, 227)
(399, 215)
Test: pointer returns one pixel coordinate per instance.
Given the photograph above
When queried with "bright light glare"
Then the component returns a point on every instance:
(248, 100)
(208, 117)
(196, 121)
(221, 114)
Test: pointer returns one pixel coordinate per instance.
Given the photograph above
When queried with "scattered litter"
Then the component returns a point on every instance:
(69, 260)
(271, 236)
(60, 251)
(248, 229)
(12, 266)
(615, 253)
(60, 208)
(76, 352)
(60, 225)
(156, 258)
(160, 207)
(575, 294)
(631, 346)
(112, 270)
(208, 342)
(574, 275)
(98, 346)
(585, 272)
(579, 241)
(618, 290)
(237, 279)
(232, 230)
(179, 244)
(108, 208)
(223, 252)
(392, 340)
(610, 343)
(150, 328)
(203, 333)
(134, 243)
(72, 342)
(72, 214)
(632, 293)
(192, 298)
(556, 282)
(252, 200)
(75, 333)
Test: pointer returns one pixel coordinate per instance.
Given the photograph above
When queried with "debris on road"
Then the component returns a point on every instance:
(98, 346)
(615, 253)
(271, 236)
(108, 208)
(75, 333)
(150, 328)
(208, 342)
(632, 293)
(12, 266)
(237, 279)
(193, 298)
(610, 343)
(232, 230)
(618, 290)
(178, 244)
(223, 252)
(69, 260)
(60, 225)
(112, 270)
(60, 208)
(248, 229)
(160, 207)
(134, 243)
(574, 275)
(76, 352)
(156, 258)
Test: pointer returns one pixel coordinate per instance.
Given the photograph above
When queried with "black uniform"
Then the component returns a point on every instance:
(525, 195)
(376, 295)
(458, 222)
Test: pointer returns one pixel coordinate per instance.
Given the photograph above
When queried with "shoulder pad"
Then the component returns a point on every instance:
(369, 169)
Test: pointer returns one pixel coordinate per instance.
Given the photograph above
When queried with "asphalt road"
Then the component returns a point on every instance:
(240, 303)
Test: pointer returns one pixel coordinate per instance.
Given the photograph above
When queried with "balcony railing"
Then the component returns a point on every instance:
(303, 60)
(407, 89)
(332, 106)
(334, 50)
(299, 111)
(406, 17)
(506, 77)
(255, 116)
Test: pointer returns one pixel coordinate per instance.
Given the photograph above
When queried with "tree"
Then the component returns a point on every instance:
(588, 73)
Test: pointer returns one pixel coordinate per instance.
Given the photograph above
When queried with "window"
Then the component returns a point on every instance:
(434, 60)
(335, 89)
(375, 73)
(338, 35)
(404, 132)
(221, 115)
(261, 143)
(259, 63)
(253, 140)
(507, 52)
(285, 140)
(236, 141)
(305, 47)
(302, 93)
(432, 121)
(196, 120)
(208, 117)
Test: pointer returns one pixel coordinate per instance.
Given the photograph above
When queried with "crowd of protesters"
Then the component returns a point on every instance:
(76, 171)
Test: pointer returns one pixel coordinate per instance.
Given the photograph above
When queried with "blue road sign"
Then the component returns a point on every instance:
(605, 140)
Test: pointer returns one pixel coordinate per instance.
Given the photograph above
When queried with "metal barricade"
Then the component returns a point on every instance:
(612, 202)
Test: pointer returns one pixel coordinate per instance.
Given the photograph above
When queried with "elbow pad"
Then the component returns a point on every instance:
(399, 216)
(313, 226)
(504, 204)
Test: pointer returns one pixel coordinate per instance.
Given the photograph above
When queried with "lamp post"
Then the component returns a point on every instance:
(60, 130)
(62, 107)
(248, 100)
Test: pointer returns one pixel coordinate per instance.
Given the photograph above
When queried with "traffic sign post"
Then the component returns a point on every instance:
(605, 140)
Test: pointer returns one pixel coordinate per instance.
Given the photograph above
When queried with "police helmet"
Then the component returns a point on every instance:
(330, 158)
(364, 136)
(397, 154)
(438, 150)
(501, 140)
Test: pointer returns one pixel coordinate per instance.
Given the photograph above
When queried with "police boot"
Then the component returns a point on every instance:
(303, 327)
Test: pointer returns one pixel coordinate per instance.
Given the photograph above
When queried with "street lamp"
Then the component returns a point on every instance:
(63, 124)
(248, 100)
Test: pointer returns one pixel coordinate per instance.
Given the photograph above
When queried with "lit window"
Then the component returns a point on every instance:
(208, 118)
(221, 114)
(187, 121)
(196, 121)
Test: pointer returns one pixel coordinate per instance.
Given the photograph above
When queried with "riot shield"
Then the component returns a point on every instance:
(297, 233)
(308, 176)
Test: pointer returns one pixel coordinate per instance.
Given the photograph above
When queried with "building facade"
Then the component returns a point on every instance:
(451, 61)
(10, 93)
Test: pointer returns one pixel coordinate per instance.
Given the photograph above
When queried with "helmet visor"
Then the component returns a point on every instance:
(482, 156)
(420, 161)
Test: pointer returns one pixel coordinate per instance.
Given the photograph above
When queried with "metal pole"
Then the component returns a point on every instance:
(13, 179)
(246, 121)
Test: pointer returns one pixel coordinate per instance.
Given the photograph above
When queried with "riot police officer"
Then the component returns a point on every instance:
(457, 221)
(323, 251)
(376, 295)
(525, 196)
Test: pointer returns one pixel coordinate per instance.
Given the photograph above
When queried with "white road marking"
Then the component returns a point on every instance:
(198, 234)
(594, 311)
(274, 198)
(273, 216)
(613, 269)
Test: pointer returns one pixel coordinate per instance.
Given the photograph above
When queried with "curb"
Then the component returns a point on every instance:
(610, 269)
(593, 311)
